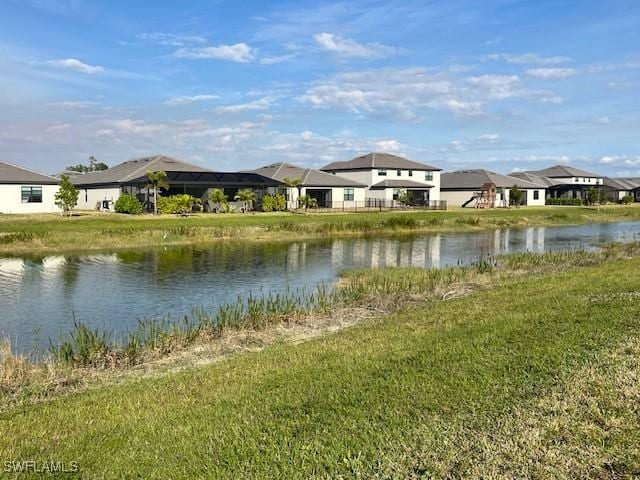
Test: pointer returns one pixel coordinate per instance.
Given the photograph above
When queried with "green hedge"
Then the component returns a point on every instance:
(627, 199)
(274, 203)
(564, 201)
(128, 204)
(176, 204)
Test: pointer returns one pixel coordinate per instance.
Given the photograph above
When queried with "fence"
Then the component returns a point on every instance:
(375, 205)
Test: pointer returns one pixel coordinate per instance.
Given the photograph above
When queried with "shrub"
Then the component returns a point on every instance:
(274, 203)
(128, 204)
(176, 204)
(564, 201)
(627, 199)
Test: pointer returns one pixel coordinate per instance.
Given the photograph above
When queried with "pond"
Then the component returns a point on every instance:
(41, 297)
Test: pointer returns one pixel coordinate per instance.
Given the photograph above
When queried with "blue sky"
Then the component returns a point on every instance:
(497, 84)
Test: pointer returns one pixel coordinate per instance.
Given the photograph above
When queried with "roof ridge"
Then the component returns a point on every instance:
(280, 165)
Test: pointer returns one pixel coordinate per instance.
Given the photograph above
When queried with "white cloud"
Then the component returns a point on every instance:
(260, 104)
(239, 52)
(528, 58)
(548, 73)
(489, 136)
(272, 60)
(77, 65)
(172, 39)
(58, 128)
(186, 100)
(603, 120)
(348, 48)
(497, 86)
(462, 107)
(388, 145)
(620, 160)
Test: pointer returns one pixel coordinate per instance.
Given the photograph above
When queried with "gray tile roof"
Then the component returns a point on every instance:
(540, 180)
(134, 169)
(378, 160)
(474, 179)
(399, 184)
(309, 176)
(13, 174)
(564, 171)
(634, 182)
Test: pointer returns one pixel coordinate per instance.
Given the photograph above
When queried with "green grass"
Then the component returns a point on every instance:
(91, 231)
(534, 378)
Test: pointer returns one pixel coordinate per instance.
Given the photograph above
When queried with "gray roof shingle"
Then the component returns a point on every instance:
(474, 179)
(13, 174)
(136, 168)
(378, 160)
(308, 176)
(563, 171)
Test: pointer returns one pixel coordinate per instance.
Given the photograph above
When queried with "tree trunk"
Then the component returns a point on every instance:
(155, 201)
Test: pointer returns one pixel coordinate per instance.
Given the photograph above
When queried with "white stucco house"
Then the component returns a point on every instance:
(461, 188)
(386, 176)
(25, 191)
(101, 189)
(329, 191)
(563, 181)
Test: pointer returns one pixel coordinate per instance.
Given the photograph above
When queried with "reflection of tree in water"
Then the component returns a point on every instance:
(70, 273)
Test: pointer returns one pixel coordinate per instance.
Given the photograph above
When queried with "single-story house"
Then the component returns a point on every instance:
(25, 191)
(564, 181)
(631, 186)
(100, 190)
(463, 188)
(329, 191)
(386, 176)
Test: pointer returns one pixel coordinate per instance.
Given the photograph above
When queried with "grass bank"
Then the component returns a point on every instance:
(455, 373)
(21, 234)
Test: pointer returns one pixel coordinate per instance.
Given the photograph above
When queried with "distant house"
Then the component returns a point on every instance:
(26, 191)
(100, 189)
(329, 191)
(633, 184)
(564, 181)
(461, 188)
(386, 176)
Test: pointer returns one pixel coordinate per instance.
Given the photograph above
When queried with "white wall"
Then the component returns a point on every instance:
(541, 196)
(581, 180)
(91, 198)
(455, 198)
(371, 177)
(11, 199)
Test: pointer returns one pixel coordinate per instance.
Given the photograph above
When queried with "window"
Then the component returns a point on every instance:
(396, 193)
(536, 194)
(31, 194)
(348, 195)
(411, 173)
(382, 172)
(399, 172)
(428, 176)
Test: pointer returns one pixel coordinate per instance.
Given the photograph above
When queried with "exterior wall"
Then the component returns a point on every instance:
(581, 180)
(372, 176)
(335, 197)
(455, 198)
(11, 199)
(541, 196)
(91, 198)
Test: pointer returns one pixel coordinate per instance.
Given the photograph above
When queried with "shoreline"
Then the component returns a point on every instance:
(91, 233)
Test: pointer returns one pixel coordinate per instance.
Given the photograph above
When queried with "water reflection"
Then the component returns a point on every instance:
(40, 297)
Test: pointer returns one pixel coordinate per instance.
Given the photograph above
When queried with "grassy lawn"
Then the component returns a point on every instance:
(496, 383)
(91, 231)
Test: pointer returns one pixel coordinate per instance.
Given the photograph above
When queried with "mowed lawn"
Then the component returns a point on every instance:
(538, 378)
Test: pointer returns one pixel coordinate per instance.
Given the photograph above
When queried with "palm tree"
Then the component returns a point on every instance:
(293, 183)
(217, 195)
(157, 180)
(246, 196)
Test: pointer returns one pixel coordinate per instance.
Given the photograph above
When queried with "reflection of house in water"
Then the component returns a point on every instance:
(418, 252)
(534, 239)
(296, 255)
